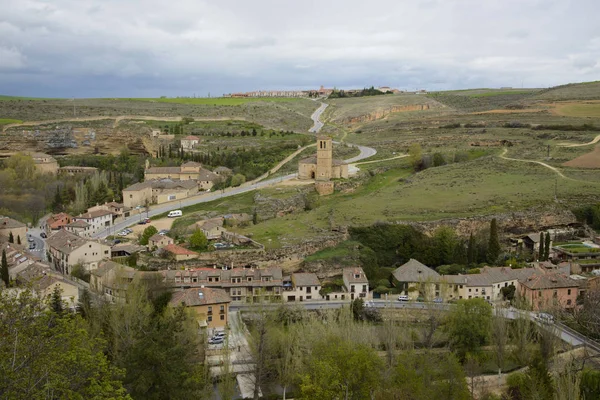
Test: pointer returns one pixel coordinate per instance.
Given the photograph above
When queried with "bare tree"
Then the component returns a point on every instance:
(523, 334)
(567, 382)
(226, 386)
(500, 337)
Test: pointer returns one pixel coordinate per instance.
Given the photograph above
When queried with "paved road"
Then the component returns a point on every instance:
(40, 243)
(365, 152)
(316, 118)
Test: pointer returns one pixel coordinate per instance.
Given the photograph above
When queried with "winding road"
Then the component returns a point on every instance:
(258, 183)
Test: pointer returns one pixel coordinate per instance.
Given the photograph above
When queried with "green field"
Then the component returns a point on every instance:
(503, 93)
(13, 98)
(580, 110)
(6, 121)
(215, 101)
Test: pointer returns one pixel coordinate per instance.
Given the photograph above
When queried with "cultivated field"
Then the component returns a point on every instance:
(215, 101)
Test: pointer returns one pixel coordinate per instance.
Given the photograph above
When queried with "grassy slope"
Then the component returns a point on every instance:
(574, 91)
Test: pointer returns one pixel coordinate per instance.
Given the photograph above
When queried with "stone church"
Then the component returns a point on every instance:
(323, 167)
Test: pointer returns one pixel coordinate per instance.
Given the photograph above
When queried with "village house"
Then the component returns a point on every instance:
(242, 284)
(213, 230)
(188, 171)
(80, 228)
(44, 163)
(301, 287)
(118, 209)
(158, 191)
(111, 280)
(166, 190)
(223, 172)
(531, 242)
(65, 250)
(9, 225)
(179, 253)
(157, 241)
(56, 222)
(16, 256)
(125, 249)
(210, 305)
(189, 142)
(549, 291)
(356, 282)
(97, 220)
(416, 280)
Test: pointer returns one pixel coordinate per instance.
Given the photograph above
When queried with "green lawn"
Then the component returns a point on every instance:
(217, 101)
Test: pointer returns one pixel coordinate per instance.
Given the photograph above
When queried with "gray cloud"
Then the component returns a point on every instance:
(152, 48)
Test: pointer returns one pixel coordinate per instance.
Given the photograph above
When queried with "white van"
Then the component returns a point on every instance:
(403, 297)
(175, 213)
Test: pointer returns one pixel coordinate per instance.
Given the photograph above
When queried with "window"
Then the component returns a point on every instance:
(569, 302)
(477, 290)
(364, 288)
(209, 310)
(105, 251)
(569, 292)
(249, 279)
(222, 317)
(222, 309)
(209, 319)
(469, 291)
(308, 289)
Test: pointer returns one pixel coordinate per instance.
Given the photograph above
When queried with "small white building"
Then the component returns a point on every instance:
(97, 220)
(301, 287)
(356, 283)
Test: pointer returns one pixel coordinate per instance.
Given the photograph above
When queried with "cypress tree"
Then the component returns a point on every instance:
(18, 239)
(471, 251)
(541, 248)
(547, 247)
(4, 269)
(494, 244)
(11, 238)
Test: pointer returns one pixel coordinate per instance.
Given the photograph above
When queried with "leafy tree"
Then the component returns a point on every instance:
(493, 251)
(237, 180)
(590, 384)
(11, 238)
(444, 244)
(547, 247)
(47, 355)
(468, 326)
(341, 369)
(147, 234)
(426, 376)
(415, 156)
(198, 240)
(4, 269)
(541, 248)
(438, 160)
(22, 164)
(508, 293)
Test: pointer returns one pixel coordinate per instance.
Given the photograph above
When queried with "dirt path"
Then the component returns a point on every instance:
(117, 120)
(536, 162)
(278, 166)
(594, 141)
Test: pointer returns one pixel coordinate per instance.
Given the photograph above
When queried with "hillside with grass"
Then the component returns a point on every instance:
(571, 91)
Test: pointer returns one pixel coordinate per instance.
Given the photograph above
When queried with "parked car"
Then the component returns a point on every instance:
(29, 238)
(43, 235)
(128, 231)
(175, 213)
(220, 334)
(216, 340)
(403, 297)
(438, 300)
(31, 246)
(142, 222)
(545, 318)
(163, 232)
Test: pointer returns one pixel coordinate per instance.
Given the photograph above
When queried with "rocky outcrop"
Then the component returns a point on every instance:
(511, 224)
(383, 113)
(270, 207)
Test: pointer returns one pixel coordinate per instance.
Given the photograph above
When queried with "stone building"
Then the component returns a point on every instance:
(189, 142)
(45, 163)
(323, 167)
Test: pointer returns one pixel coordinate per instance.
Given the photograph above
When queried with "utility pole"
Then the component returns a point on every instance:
(548, 151)
(556, 189)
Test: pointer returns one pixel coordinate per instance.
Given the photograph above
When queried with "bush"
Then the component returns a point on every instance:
(438, 160)
(79, 271)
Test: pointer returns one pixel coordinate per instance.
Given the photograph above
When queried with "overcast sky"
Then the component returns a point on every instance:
(135, 48)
